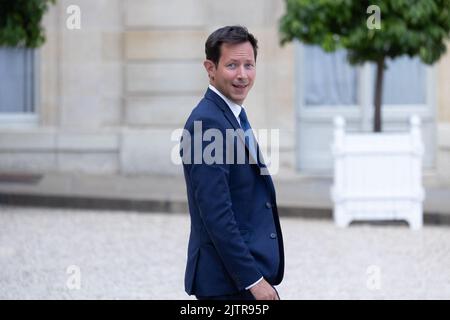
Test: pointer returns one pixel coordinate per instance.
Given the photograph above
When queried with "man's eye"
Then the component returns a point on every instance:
(249, 65)
(232, 65)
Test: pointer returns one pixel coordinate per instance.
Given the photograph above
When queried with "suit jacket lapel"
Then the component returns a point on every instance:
(211, 95)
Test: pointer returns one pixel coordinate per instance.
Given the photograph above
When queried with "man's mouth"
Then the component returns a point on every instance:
(240, 86)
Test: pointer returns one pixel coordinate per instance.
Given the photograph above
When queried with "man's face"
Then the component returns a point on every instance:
(235, 73)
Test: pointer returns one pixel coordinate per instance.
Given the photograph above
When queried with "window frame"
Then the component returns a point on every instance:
(26, 119)
(365, 91)
(317, 121)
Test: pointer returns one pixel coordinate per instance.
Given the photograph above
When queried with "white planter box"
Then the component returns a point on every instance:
(377, 176)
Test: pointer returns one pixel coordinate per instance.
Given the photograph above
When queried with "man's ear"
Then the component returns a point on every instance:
(210, 68)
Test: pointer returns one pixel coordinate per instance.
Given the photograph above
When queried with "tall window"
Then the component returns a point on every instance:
(328, 86)
(331, 81)
(17, 85)
(404, 82)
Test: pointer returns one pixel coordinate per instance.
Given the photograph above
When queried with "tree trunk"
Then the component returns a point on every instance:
(378, 95)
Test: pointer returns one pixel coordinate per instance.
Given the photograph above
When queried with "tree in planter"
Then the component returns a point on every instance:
(20, 22)
(408, 27)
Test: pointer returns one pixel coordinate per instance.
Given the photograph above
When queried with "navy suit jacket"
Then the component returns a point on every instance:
(235, 236)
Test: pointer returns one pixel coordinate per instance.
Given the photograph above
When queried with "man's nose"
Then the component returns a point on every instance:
(242, 73)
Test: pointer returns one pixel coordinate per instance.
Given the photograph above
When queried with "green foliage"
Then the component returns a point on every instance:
(20, 22)
(408, 27)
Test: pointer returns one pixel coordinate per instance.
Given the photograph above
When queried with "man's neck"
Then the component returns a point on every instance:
(228, 100)
(235, 108)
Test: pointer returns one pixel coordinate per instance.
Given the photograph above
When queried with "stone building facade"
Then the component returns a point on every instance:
(110, 94)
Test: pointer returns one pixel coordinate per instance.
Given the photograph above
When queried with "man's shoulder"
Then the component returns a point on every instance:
(206, 111)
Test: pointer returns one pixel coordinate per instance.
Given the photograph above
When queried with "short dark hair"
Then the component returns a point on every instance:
(228, 34)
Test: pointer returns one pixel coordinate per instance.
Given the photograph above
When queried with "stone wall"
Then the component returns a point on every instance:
(80, 90)
(112, 93)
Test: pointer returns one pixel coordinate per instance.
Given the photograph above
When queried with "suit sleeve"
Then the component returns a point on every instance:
(212, 196)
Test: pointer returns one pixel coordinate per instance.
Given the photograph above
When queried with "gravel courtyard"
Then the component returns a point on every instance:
(88, 254)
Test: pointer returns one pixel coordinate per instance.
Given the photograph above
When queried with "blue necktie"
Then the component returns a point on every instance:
(250, 140)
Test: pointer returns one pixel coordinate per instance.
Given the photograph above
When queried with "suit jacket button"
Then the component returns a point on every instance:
(268, 205)
(273, 235)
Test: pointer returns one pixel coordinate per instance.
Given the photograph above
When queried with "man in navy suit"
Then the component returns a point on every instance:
(235, 247)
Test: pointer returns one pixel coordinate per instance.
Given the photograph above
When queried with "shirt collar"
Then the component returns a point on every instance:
(235, 108)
